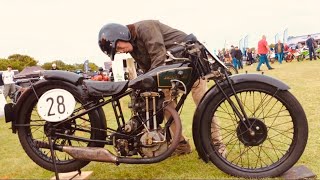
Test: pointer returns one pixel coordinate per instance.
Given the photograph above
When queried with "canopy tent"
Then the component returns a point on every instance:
(29, 72)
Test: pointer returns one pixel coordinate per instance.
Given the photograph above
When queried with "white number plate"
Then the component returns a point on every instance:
(56, 105)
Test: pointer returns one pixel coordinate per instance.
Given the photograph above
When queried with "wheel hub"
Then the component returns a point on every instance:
(65, 128)
(252, 132)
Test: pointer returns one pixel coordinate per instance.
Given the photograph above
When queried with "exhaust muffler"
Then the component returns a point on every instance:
(103, 155)
(90, 154)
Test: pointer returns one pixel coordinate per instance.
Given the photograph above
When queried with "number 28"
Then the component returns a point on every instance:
(61, 107)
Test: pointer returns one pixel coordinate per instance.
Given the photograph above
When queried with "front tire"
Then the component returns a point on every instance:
(277, 140)
(34, 135)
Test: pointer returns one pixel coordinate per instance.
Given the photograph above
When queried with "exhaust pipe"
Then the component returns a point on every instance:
(90, 154)
(82, 153)
(103, 155)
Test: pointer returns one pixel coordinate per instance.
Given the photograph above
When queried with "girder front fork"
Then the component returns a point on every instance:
(242, 115)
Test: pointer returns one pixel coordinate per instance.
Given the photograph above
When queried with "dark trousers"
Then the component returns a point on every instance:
(312, 52)
(240, 64)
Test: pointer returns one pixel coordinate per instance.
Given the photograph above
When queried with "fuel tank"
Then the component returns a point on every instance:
(161, 76)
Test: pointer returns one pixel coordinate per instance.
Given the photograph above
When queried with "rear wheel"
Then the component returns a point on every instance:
(33, 135)
(267, 144)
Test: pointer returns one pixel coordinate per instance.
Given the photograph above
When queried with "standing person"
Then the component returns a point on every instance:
(310, 44)
(238, 56)
(263, 50)
(227, 57)
(221, 55)
(1, 83)
(8, 83)
(279, 49)
(234, 60)
(250, 56)
(54, 67)
(147, 42)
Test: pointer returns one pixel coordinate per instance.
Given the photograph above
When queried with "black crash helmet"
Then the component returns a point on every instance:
(109, 35)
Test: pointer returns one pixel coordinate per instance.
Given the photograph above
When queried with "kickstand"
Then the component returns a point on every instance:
(79, 173)
(51, 143)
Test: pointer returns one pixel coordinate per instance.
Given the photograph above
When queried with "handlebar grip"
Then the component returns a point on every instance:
(176, 49)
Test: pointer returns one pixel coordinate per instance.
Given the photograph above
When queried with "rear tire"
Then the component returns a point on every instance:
(279, 126)
(35, 132)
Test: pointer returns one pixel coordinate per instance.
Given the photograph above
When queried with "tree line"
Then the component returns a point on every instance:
(19, 62)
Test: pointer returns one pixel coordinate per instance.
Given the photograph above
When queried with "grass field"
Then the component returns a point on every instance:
(302, 77)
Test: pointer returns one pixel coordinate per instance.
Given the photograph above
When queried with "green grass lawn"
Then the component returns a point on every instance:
(302, 77)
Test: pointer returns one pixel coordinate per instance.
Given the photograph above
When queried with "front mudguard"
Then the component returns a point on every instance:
(213, 91)
(16, 109)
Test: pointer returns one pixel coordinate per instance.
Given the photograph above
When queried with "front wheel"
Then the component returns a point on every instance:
(266, 144)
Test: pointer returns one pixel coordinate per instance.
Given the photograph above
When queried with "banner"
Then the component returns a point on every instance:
(107, 65)
(276, 38)
(86, 66)
(285, 36)
(241, 46)
(246, 43)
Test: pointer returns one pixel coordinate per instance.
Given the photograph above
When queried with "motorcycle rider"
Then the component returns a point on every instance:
(147, 42)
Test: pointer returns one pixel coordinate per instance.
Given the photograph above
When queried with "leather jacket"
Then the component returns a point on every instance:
(150, 40)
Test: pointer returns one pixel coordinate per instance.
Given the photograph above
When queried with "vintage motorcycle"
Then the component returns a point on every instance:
(261, 126)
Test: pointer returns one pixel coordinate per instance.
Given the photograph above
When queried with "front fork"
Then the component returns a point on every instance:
(242, 115)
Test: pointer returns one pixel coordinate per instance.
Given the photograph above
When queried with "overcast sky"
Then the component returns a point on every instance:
(68, 29)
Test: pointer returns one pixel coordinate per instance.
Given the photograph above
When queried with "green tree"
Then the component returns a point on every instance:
(68, 67)
(47, 65)
(93, 66)
(18, 61)
(271, 45)
(3, 64)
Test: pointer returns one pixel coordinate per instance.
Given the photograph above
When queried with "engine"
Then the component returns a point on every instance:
(142, 133)
(153, 143)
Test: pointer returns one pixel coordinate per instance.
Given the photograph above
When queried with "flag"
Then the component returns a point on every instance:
(246, 44)
(86, 66)
(285, 36)
(276, 38)
(241, 45)
(246, 39)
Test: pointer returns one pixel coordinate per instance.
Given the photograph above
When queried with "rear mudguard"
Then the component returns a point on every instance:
(213, 91)
(18, 106)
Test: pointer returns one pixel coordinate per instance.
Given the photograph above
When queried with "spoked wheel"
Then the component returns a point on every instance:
(267, 144)
(34, 134)
(231, 69)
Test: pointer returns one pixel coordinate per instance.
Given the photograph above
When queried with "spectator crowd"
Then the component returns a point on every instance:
(266, 54)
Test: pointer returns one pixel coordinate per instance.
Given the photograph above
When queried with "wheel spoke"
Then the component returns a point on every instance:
(80, 127)
(268, 117)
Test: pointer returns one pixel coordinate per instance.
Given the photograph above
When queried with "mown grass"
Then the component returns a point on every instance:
(302, 77)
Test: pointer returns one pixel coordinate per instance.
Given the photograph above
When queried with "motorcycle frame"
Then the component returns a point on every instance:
(115, 100)
(199, 72)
